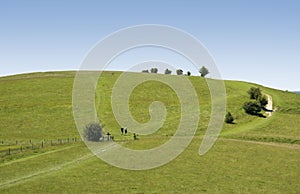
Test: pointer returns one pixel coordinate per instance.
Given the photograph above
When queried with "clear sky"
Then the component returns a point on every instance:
(256, 41)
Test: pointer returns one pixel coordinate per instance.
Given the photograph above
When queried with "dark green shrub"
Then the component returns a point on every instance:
(263, 101)
(255, 93)
(229, 118)
(252, 107)
(93, 132)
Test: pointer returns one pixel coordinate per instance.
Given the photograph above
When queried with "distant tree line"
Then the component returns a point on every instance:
(203, 71)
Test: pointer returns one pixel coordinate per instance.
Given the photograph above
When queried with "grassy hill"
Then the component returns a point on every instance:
(253, 155)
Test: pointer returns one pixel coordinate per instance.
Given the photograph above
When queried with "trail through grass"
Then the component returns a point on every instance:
(254, 155)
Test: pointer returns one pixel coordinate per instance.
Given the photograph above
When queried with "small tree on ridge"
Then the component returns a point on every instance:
(153, 70)
(203, 71)
(167, 71)
(179, 71)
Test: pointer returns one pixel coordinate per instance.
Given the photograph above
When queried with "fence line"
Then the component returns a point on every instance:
(20, 146)
(16, 146)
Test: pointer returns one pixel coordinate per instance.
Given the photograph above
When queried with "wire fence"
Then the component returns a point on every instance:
(13, 147)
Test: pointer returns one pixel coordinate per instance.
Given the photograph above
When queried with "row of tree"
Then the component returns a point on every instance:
(203, 71)
(167, 71)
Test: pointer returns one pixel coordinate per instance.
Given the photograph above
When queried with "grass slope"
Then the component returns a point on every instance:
(39, 106)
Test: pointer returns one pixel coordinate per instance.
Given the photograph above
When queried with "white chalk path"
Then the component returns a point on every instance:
(52, 169)
(274, 144)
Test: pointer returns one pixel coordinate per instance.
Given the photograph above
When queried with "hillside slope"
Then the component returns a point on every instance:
(39, 106)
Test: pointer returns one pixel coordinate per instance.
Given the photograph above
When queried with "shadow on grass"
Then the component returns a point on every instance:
(260, 115)
(267, 110)
(257, 114)
(232, 123)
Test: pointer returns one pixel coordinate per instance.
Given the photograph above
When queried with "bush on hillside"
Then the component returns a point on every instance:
(255, 93)
(229, 118)
(93, 132)
(252, 107)
(263, 101)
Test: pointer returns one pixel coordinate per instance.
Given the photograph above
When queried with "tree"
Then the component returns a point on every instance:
(154, 70)
(179, 71)
(93, 132)
(229, 118)
(188, 73)
(255, 93)
(203, 71)
(145, 71)
(263, 101)
(252, 107)
(167, 71)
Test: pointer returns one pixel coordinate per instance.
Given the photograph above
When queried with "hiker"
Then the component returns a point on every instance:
(125, 130)
(122, 130)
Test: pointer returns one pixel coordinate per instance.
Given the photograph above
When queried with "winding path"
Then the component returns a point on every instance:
(49, 170)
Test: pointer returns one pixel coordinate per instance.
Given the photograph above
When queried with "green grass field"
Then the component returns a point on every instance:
(254, 155)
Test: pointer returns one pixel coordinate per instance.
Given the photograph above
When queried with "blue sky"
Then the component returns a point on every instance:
(256, 41)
